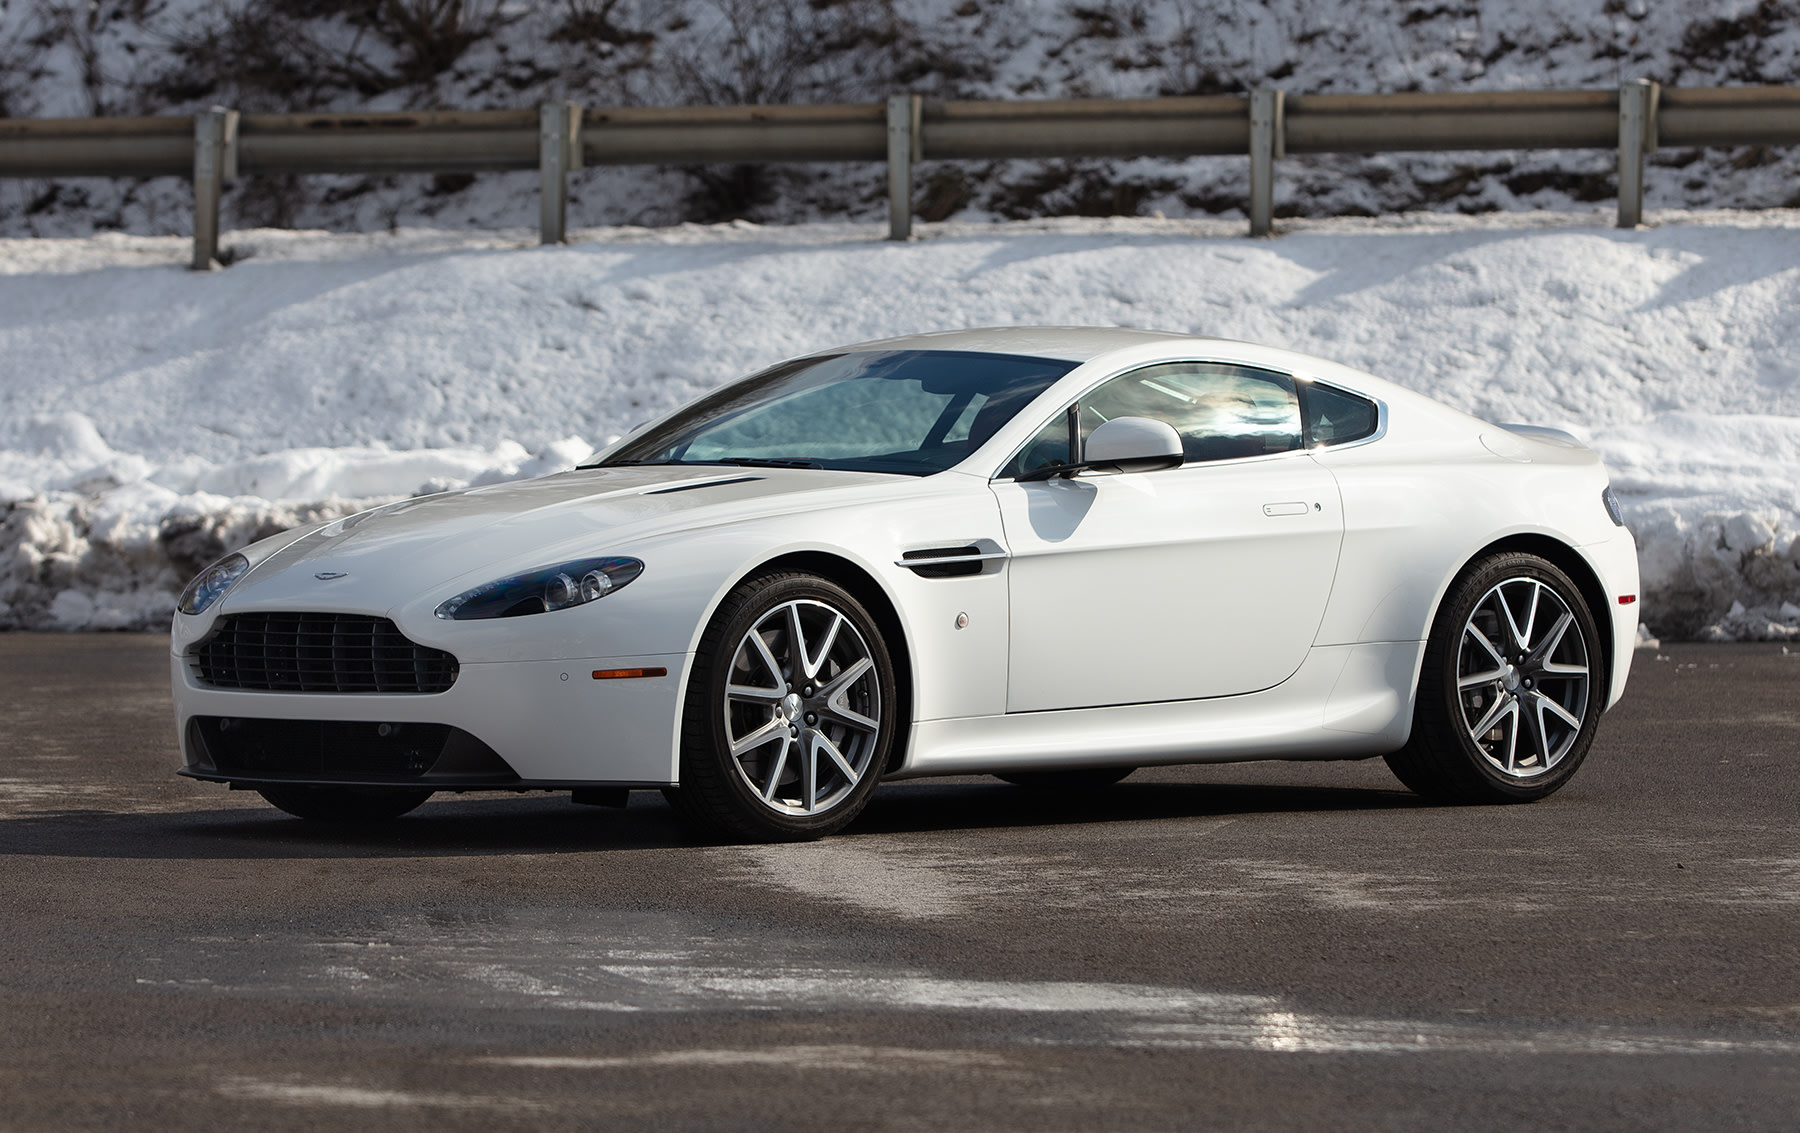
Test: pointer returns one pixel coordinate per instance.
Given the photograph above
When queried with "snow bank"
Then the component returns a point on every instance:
(151, 418)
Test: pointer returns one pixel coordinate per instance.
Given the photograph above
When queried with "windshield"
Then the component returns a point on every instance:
(908, 411)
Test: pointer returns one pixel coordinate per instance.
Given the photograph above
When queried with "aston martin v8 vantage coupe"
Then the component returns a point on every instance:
(1048, 554)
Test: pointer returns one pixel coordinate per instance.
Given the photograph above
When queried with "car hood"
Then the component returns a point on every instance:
(437, 539)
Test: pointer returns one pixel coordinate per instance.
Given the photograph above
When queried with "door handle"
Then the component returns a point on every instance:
(1295, 507)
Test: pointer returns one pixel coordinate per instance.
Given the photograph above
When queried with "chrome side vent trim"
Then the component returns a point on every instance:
(950, 562)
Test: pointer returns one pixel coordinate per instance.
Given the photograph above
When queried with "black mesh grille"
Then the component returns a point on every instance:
(343, 751)
(279, 652)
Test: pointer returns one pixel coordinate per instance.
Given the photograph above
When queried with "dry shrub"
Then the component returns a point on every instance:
(283, 54)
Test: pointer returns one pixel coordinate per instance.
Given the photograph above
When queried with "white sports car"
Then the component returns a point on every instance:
(1049, 554)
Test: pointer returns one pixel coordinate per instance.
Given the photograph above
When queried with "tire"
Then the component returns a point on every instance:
(1070, 781)
(1512, 687)
(344, 804)
(779, 745)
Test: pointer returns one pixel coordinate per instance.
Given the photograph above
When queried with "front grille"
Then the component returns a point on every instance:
(281, 652)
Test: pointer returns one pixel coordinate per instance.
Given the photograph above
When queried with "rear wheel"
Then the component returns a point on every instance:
(344, 804)
(789, 715)
(1512, 686)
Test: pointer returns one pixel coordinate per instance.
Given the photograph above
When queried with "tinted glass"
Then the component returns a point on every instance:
(908, 411)
(1221, 411)
(1333, 416)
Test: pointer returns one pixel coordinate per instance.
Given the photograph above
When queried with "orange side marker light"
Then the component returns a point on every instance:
(626, 674)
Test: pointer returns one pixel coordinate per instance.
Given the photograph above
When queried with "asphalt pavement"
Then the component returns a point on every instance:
(1241, 946)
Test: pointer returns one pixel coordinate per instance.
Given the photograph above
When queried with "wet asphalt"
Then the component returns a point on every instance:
(1249, 946)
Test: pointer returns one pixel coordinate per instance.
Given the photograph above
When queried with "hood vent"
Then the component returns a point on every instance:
(702, 484)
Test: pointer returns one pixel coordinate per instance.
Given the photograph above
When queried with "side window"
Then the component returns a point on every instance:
(1334, 416)
(1222, 412)
(1050, 446)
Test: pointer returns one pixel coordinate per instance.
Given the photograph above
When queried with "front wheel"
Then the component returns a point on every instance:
(789, 715)
(344, 804)
(1511, 690)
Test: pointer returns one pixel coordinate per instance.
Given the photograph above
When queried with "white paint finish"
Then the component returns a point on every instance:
(1373, 692)
(1169, 585)
(1172, 584)
(1423, 501)
(546, 728)
(1132, 439)
(1616, 562)
(1288, 721)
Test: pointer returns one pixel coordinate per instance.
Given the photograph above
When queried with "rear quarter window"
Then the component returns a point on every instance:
(1333, 416)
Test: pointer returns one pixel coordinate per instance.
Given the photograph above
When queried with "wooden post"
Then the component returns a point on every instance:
(559, 150)
(215, 162)
(1268, 141)
(903, 138)
(1637, 137)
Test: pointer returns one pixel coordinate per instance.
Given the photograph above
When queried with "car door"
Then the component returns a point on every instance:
(1209, 579)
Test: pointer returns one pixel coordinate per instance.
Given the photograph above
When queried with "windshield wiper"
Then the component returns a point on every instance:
(763, 462)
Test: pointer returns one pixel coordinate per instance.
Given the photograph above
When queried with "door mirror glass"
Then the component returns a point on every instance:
(1133, 444)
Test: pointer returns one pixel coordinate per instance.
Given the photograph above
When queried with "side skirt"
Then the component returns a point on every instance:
(1344, 702)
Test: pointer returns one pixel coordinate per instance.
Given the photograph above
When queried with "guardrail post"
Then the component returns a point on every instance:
(559, 150)
(215, 162)
(904, 148)
(1637, 137)
(1268, 141)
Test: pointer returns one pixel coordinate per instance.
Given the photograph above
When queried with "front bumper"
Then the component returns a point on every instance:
(550, 723)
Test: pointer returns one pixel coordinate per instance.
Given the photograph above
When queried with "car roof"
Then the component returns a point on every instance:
(1084, 344)
(1074, 344)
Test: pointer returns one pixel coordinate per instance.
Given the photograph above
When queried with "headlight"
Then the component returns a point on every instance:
(211, 583)
(538, 591)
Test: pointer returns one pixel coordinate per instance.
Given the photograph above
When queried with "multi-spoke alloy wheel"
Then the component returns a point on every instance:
(790, 712)
(1522, 677)
(802, 711)
(1511, 689)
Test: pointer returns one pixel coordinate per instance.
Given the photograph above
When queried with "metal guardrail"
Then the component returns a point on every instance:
(219, 145)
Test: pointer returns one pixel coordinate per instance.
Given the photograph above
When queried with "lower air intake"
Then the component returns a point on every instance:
(343, 751)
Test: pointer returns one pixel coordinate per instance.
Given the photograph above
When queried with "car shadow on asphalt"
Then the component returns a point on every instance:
(492, 827)
(938, 807)
(456, 829)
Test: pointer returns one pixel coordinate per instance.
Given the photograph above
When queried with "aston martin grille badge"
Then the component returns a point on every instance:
(328, 575)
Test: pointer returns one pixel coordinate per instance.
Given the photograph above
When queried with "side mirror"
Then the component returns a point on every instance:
(1133, 444)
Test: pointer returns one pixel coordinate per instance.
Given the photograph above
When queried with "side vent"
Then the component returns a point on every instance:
(948, 562)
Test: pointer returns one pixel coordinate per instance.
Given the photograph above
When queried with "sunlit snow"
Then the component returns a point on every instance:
(151, 417)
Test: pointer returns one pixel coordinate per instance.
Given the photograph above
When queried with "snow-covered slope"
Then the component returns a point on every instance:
(151, 418)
